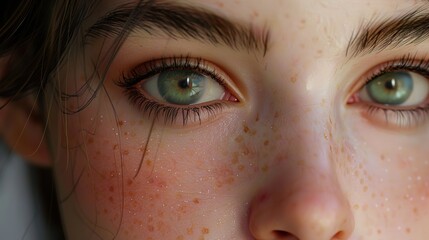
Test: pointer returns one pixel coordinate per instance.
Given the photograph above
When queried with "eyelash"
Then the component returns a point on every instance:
(167, 112)
(408, 116)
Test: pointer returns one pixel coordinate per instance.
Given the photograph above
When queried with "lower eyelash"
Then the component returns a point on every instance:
(402, 118)
(170, 114)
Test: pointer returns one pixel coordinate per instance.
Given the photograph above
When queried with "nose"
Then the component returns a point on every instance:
(305, 205)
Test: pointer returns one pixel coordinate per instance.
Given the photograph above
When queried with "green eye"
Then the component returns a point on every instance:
(183, 87)
(401, 88)
(392, 88)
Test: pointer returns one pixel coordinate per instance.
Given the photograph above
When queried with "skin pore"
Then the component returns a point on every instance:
(295, 153)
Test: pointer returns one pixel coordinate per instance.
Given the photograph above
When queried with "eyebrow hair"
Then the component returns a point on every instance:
(180, 21)
(410, 28)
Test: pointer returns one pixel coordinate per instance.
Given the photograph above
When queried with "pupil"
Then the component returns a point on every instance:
(390, 85)
(184, 83)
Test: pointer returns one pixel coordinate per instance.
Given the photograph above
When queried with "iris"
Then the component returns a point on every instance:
(393, 88)
(181, 87)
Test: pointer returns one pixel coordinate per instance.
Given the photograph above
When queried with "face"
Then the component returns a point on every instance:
(246, 120)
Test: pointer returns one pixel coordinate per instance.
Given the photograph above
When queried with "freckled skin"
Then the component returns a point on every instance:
(294, 158)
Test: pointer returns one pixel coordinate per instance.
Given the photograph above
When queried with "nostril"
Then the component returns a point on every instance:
(283, 235)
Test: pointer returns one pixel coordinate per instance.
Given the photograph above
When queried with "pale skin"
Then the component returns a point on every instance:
(294, 155)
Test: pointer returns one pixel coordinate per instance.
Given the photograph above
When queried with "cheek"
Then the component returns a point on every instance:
(113, 176)
(392, 181)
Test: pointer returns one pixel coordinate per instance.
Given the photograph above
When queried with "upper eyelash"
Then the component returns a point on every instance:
(408, 62)
(155, 66)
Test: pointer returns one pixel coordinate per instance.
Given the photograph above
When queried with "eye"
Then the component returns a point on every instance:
(397, 88)
(183, 87)
(179, 87)
(397, 94)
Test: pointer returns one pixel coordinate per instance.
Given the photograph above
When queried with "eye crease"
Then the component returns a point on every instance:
(178, 86)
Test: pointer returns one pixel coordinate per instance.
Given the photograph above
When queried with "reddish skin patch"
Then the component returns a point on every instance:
(263, 198)
(111, 189)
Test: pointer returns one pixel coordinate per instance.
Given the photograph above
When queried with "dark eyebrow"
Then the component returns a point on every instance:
(376, 36)
(180, 21)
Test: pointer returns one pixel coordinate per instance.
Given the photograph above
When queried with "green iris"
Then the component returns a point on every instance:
(182, 87)
(393, 88)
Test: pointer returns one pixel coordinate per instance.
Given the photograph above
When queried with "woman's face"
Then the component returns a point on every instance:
(246, 120)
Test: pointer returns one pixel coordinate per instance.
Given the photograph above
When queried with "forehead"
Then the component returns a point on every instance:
(285, 16)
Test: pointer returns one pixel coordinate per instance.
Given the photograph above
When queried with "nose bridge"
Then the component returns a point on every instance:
(303, 198)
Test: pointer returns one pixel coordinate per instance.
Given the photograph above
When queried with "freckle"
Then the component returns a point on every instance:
(356, 206)
(265, 168)
(241, 167)
(90, 140)
(116, 146)
(245, 151)
(408, 230)
(378, 231)
(303, 21)
(382, 157)
(125, 152)
(205, 230)
(320, 51)
(121, 123)
(190, 230)
(151, 228)
(234, 160)
(196, 201)
(239, 139)
(365, 189)
(105, 211)
(180, 237)
(111, 189)
(276, 115)
(129, 182)
(246, 129)
(111, 199)
(257, 117)
(293, 79)
(266, 142)
(149, 163)
(230, 180)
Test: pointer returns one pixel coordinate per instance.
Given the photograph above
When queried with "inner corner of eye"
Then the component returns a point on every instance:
(353, 99)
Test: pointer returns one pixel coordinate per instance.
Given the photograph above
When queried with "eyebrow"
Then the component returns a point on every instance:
(375, 36)
(180, 21)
